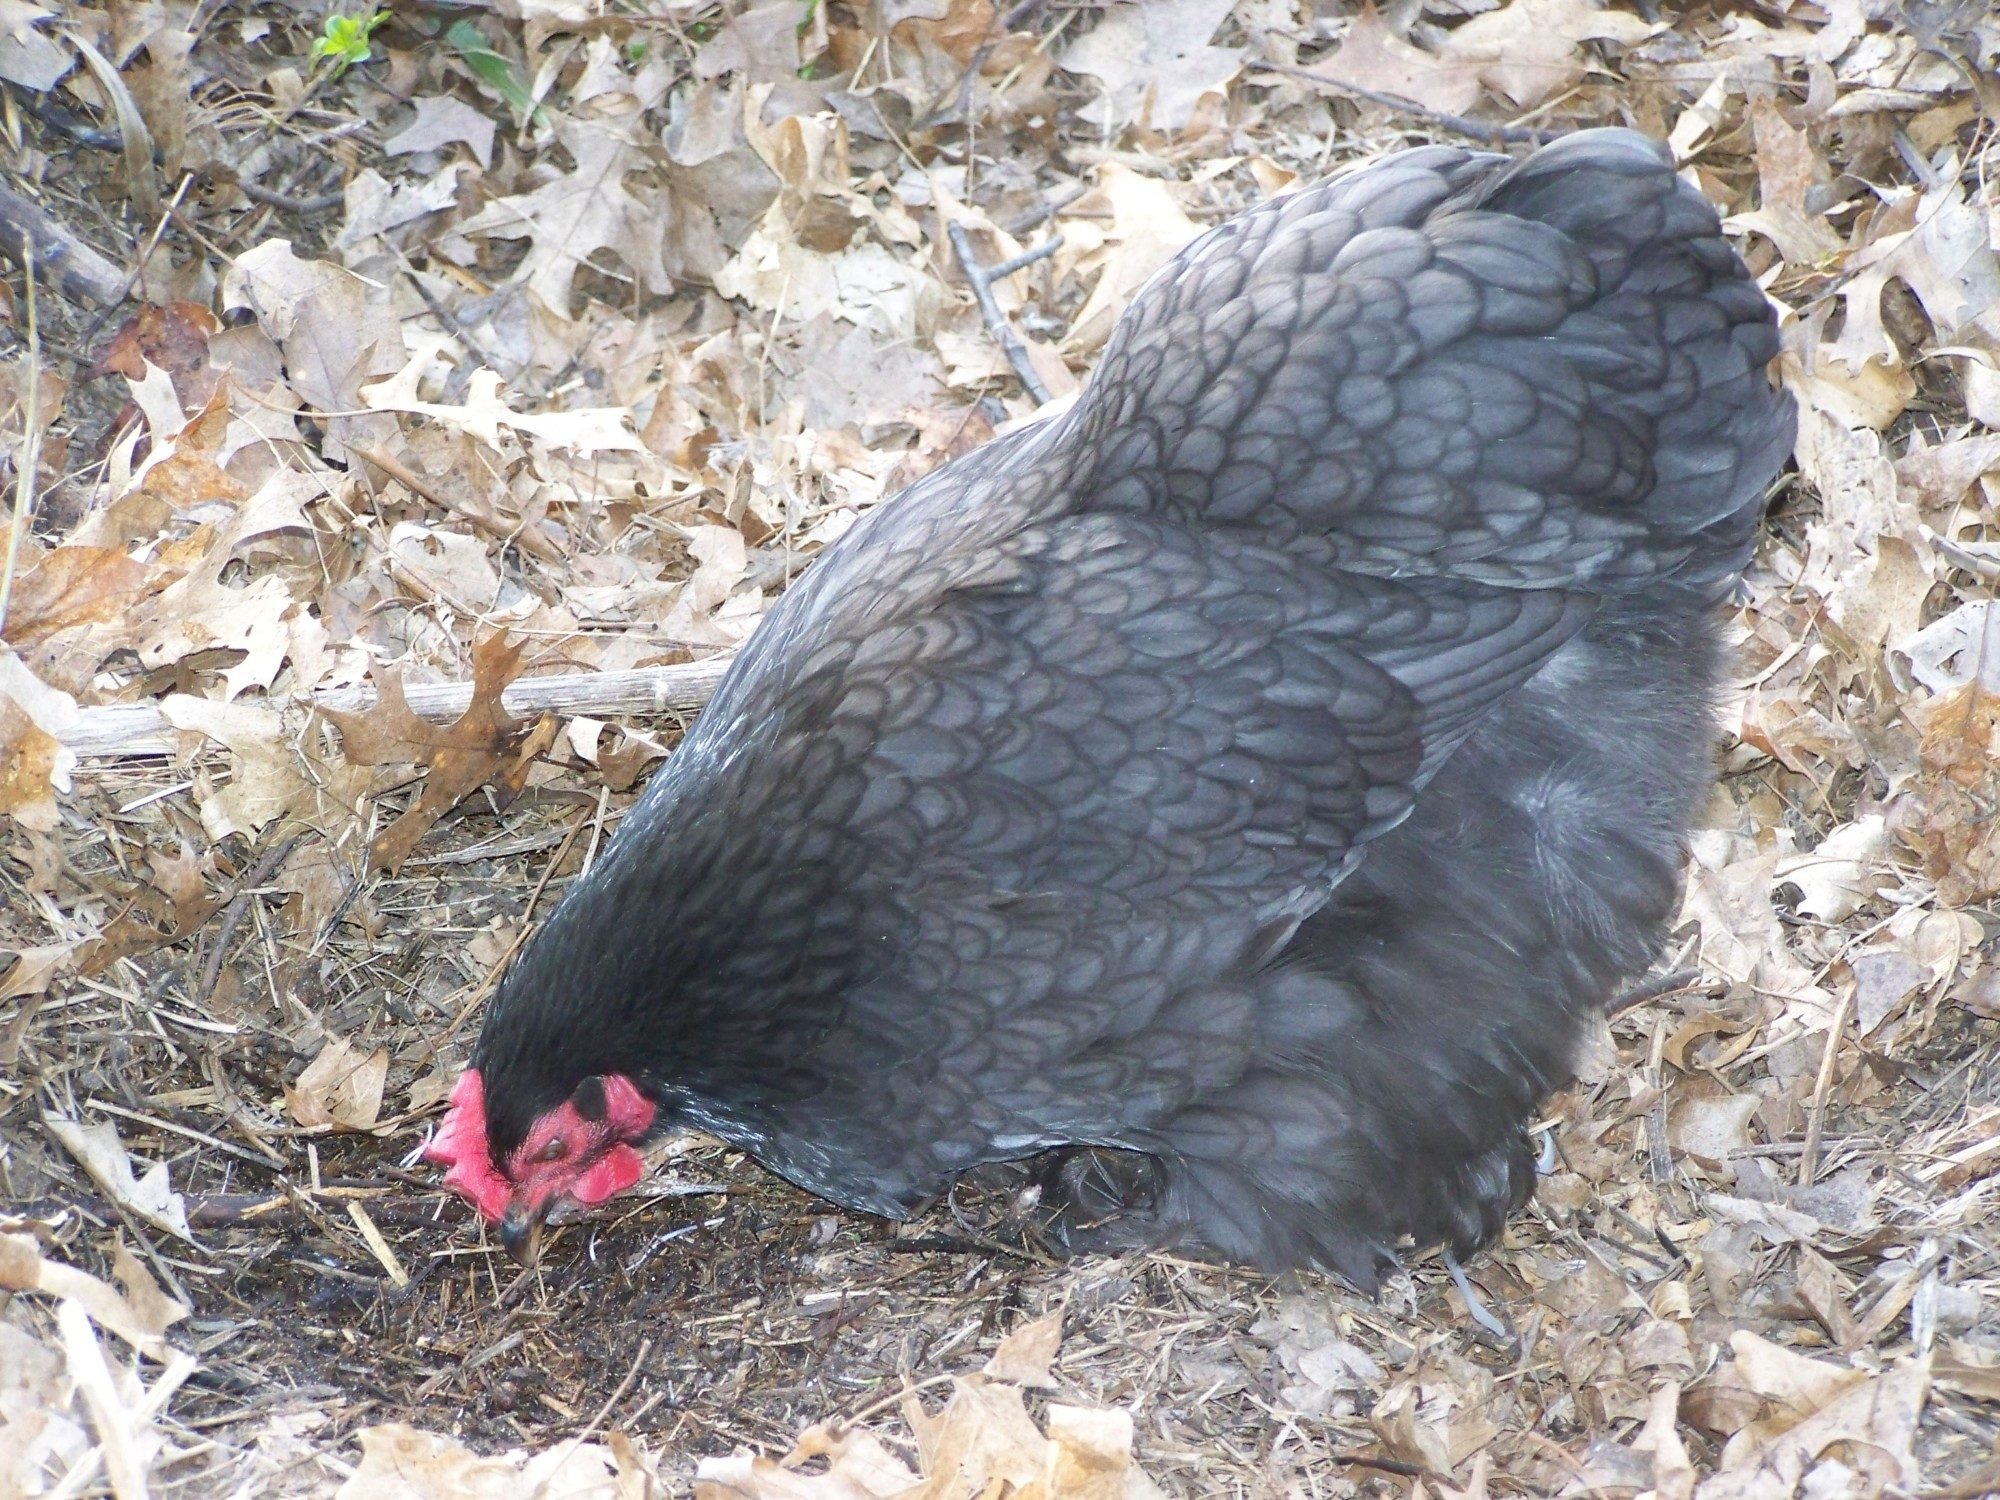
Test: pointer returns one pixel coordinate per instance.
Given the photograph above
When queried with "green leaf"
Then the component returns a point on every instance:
(343, 40)
(491, 69)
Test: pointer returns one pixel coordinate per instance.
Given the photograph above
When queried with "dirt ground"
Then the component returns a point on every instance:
(250, 944)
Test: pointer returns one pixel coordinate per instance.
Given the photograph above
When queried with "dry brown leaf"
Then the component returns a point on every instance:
(267, 778)
(1980, 1381)
(721, 560)
(1091, 1457)
(34, 764)
(1821, 1291)
(813, 254)
(28, 57)
(983, 1442)
(1954, 652)
(120, 1450)
(1405, 1436)
(584, 429)
(399, 1462)
(1702, 1024)
(858, 1467)
(1939, 476)
(30, 763)
(1940, 249)
(1729, 895)
(1320, 1367)
(443, 120)
(140, 1315)
(173, 337)
(1844, 871)
(484, 745)
(1532, 49)
(1950, 262)
(580, 213)
(1883, 979)
(1373, 57)
(847, 376)
(32, 969)
(1026, 1353)
(182, 879)
(319, 877)
(375, 205)
(100, 1153)
(1712, 1128)
(206, 611)
(72, 586)
(1788, 169)
(1660, 1440)
(450, 568)
(338, 332)
(341, 1087)
(1815, 1413)
(1153, 62)
(170, 909)
(761, 43)
(718, 185)
(983, 1435)
(1147, 228)
(1872, 394)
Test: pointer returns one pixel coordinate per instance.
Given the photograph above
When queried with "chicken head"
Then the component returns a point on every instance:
(581, 1152)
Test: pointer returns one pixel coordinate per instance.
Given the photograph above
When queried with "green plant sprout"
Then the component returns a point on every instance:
(343, 41)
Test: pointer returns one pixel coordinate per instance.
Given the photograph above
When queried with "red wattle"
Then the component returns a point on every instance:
(460, 1145)
(613, 1172)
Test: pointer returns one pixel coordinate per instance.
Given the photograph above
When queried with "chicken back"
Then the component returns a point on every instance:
(1230, 797)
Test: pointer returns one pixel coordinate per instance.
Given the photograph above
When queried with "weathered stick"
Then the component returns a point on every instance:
(982, 279)
(1477, 130)
(134, 729)
(78, 270)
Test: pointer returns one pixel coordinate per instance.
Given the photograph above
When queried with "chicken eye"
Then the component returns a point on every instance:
(555, 1150)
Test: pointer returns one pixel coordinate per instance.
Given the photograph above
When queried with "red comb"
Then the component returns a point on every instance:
(460, 1144)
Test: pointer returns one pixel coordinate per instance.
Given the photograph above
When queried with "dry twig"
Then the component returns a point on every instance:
(1653, 989)
(73, 267)
(29, 460)
(982, 279)
(121, 730)
(1476, 130)
(1822, 1085)
(267, 866)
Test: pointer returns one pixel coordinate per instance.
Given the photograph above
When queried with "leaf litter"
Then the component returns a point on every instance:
(553, 344)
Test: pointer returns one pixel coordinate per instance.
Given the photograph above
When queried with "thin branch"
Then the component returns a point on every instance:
(1047, 209)
(122, 730)
(232, 917)
(960, 92)
(29, 459)
(982, 279)
(1477, 130)
(139, 263)
(319, 203)
(67, 122)
(1822, 1086)
(1653, 989)
(528, 538)
(1025, 259)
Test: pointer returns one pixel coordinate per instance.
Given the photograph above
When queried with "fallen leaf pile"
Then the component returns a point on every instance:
(474, 399)
(982, 1442)
(75, 1412)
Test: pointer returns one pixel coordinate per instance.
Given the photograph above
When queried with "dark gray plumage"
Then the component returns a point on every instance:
(1236, 791)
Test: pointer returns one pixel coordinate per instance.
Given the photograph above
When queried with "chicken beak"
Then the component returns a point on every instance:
(521, 1232)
